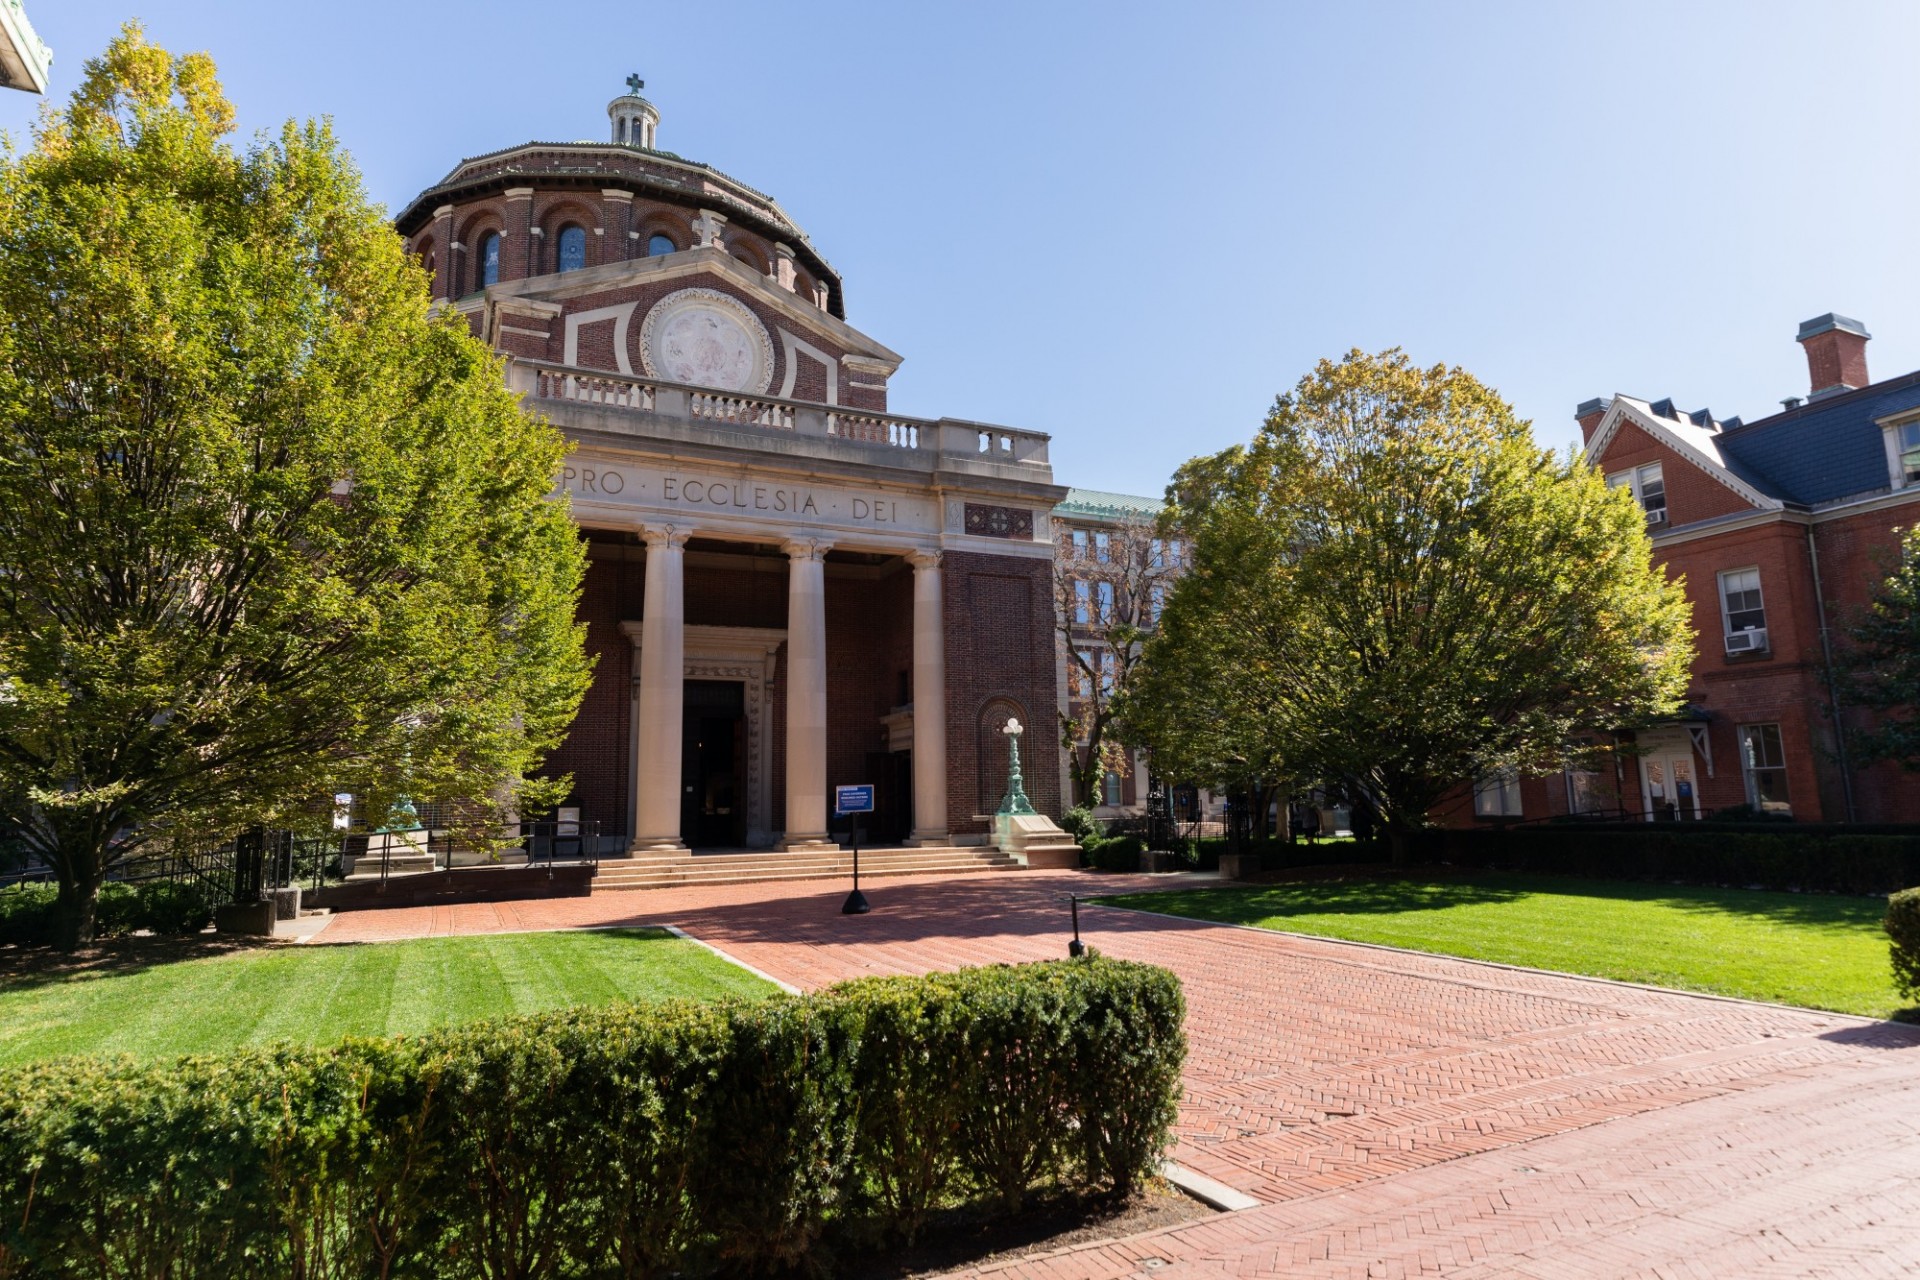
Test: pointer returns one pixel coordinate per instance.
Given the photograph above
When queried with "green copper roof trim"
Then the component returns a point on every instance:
(1096, 502)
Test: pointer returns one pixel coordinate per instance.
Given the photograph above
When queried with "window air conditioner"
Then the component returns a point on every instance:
(1657, 516)
(1751, 641)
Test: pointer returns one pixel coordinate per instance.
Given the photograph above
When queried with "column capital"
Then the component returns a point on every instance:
(444, 211)
(665, 535)
(806, 548)
(924, 560)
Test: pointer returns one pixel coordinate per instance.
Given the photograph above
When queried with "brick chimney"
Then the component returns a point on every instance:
(1836, 354)
(1588, 415)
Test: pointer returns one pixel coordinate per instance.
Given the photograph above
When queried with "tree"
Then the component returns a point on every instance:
(1412, 593)
(1883, 666)
(1205, 699)
(268, 527)
(1110, 575)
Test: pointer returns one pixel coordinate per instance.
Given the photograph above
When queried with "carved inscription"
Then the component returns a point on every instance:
(591, 481)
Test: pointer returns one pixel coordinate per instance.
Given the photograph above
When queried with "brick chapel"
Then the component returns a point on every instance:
(790, 587)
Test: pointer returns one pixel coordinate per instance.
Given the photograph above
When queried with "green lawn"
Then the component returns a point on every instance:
(1814, 950)
(319, 994)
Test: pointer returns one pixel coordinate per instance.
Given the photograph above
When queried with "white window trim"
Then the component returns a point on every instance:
(1747, 766)
(1504, 785)
(1726, 614)
(1633, 479)
(1890, 438)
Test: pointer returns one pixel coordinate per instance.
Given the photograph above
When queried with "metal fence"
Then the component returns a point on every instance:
(254, 864)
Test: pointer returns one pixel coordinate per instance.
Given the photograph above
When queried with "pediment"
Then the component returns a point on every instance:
(589, 288)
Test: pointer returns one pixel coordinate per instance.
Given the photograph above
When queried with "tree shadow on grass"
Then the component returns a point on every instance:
(1846, 912)
(1391, 893)
(24, 968)
(1357, 895)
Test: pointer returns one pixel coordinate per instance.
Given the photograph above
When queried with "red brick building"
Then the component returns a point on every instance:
(791, 587)
(1782, 529)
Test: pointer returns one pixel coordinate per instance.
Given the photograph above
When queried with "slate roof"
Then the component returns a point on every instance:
(1822, 451)
(1826, 449)
(1097, 502)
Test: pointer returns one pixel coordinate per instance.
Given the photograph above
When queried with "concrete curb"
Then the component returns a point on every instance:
(736, 961)
(1206, 1190)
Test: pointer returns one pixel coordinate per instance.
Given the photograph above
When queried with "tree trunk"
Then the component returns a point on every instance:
(79, 858)
(77, 903)
(1398, 846)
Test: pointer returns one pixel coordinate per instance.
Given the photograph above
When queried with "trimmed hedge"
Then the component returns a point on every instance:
(1775, 856)
(29, 913)
(1903, 930)
(1112, 853)
(631, 1141)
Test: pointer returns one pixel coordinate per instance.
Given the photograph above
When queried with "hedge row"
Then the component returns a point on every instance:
(1112, 853)
(1777, 858)
(29, 912)
(618, 1141)
(1903, 928)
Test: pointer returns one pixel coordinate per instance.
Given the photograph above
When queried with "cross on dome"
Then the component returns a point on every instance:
(633, 117)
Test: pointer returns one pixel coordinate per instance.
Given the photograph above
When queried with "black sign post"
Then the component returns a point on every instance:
(851, 802)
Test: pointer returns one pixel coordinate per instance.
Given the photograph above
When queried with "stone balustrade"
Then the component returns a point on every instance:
(984, 442)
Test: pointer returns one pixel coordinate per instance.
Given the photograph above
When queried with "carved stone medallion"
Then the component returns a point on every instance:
(706, 339)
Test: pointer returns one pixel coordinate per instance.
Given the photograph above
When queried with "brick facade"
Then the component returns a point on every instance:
(1806, 500)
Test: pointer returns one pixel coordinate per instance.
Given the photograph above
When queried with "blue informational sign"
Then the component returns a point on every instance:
(853, 799)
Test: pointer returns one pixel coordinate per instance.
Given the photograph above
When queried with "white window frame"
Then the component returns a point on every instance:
(1636, 478)
(1748, 768)
(1727, 611)
(1894, 433)
(1082, 602)
(1497, 795)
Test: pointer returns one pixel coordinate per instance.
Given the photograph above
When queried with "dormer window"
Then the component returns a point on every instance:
(1649, 485)
(1907, 451)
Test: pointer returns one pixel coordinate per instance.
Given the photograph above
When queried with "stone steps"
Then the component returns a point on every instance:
(664, 871)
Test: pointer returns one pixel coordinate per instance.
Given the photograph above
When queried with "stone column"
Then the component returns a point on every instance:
(929, 703)
(656, 762)
(806, 696)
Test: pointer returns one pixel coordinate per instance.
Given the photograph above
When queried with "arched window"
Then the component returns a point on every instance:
(624, 122)
(573, 249)
(489, 259)
(658, 244)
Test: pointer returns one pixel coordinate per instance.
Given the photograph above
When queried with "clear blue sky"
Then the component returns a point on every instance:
(1131, 225)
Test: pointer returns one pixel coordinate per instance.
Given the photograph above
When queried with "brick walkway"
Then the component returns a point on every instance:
(1400, 1114)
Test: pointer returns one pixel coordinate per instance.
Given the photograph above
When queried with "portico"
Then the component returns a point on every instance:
(790, 587)
(668, 653)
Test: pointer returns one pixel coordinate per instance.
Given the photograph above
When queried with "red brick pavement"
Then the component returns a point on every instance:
(1401, 1114)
